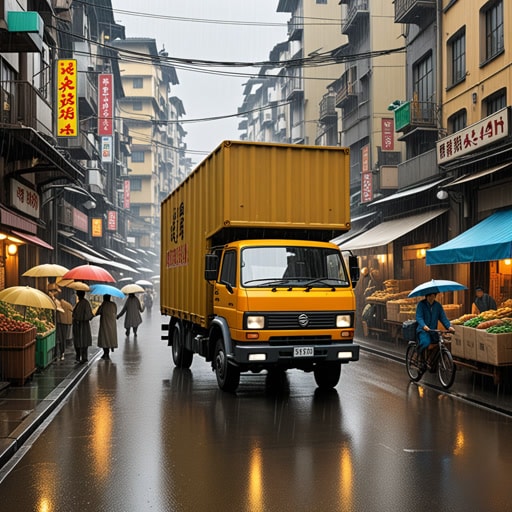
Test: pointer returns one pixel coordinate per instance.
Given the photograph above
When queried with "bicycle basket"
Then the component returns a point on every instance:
(409, 330)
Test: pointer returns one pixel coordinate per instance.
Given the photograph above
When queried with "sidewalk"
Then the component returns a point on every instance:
(24, 408)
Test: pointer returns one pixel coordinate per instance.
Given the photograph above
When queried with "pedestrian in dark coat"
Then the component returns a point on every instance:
(133, 309)
(82, 337)
(107, 334)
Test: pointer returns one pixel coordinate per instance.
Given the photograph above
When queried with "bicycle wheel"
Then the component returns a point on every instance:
(446, 368)
(413, 363)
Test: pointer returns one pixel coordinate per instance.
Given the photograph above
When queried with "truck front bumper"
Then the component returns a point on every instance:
(287, 355)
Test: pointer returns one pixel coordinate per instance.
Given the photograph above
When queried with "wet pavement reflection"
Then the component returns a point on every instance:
(139, 435)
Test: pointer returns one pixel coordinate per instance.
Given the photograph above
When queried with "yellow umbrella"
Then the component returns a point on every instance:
(46, 270)
(74, 285)
(27, 296)
(132, 288)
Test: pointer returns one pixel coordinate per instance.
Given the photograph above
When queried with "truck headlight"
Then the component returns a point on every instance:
(255, 322)
(343, 321)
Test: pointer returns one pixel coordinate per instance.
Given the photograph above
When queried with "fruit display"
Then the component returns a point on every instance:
(10, 325)
(473, 322)
(41, 319)
(463, 318)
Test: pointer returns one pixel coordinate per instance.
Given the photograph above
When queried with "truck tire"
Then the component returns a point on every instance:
(327, 375)
(228, 375)
(181, 356)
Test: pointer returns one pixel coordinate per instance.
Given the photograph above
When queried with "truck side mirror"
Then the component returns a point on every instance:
(211, 267)
(353, 264)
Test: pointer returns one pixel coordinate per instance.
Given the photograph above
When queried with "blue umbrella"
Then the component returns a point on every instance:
(436, 286)
(106, 289)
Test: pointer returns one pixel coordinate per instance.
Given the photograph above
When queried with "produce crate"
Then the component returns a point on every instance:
(458, 341)
(494, 349)
(470, 352)
(45, 349)
(17, 339)
(17, 363)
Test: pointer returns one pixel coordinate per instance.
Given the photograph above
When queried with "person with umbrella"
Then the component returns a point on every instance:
(133, 309)
(64, 319)
(107, 334)
(82, 336)
(429, 312)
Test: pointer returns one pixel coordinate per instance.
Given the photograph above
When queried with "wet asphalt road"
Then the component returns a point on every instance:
(138, 435)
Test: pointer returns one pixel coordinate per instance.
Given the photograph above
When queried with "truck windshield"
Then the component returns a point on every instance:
(292, 266)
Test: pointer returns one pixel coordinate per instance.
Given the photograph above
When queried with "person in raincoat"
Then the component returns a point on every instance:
(82, 337)
(429, 312)
(133, 309)
(64, 319)
(107, 334)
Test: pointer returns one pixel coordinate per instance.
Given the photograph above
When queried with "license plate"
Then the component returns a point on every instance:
(303, 351)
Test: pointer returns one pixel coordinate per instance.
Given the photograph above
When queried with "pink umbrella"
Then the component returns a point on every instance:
(89, 273)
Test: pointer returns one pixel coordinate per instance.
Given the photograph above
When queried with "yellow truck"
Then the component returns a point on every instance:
(249, 278)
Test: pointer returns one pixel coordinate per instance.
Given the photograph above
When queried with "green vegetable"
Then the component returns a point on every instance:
(473, 322)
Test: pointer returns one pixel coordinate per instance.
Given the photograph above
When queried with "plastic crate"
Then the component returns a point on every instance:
(45, 350)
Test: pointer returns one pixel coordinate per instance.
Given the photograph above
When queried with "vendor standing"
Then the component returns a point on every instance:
(483, 302)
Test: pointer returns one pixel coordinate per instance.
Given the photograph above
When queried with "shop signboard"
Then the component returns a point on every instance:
(25, 199)
(67, 98)
(474, 137)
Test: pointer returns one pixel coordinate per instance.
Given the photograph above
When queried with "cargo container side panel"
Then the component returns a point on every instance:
(288, 186)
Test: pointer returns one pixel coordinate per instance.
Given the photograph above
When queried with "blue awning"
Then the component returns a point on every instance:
(489, 240)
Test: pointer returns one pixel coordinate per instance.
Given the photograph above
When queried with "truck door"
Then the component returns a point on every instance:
(226, 292)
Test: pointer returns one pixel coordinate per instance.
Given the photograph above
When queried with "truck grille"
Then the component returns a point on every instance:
(316, 320)
(300, 340)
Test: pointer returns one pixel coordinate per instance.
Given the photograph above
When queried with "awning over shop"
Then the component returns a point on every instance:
(91, 258)
(390, 230)
(410, 192)
(488, 240)
(477, 175)
(33, 239)
(116, 254)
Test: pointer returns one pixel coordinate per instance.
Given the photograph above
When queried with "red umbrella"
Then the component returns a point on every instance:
(89, 273)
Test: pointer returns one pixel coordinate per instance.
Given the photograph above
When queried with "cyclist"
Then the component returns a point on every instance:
(428, 313)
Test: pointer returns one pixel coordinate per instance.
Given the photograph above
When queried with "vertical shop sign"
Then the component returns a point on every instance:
(126, 194)
(106, 149)
(105, 104)
(388, 134)
(112, 220)
(67, 98)
(97, 227)
(366, 176)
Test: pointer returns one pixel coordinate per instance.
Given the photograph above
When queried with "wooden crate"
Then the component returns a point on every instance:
(18, 363)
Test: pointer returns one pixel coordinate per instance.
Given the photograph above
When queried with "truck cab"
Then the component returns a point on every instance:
(280, 304)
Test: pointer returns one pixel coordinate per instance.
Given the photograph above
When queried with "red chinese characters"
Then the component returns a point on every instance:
(67, 101)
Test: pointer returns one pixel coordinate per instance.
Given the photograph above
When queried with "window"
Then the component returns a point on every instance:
(138, 83)
(137, 105)
(423, 78)
(135, 210)
(495, 102)
(458, 121)
(136, 184)
(494, 44)
(138, 156)
(321, 1)
(457, 46)
(228, 272)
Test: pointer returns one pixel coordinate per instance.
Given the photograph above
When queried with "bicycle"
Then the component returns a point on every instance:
(439, 358)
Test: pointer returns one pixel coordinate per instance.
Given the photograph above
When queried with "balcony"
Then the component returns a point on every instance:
(357, 12)
(345, 93)
(414, 11)
(415, 114)
(22, 104)
(295, 27)
(328, 108)
(24, 32)
(80, 148)
(294, 87)
(87, 95)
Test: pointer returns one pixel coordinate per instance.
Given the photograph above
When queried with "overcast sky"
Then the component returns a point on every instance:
(207, 95)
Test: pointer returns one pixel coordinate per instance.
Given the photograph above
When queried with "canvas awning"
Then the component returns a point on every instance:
(488, 240)
(477, 175)
(390, 230)
(409, 192)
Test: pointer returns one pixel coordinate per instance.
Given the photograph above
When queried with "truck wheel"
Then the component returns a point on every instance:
(181, 356)
(327, 375)
(228, 376)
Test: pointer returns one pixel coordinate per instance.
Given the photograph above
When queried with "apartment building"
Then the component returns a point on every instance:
(147, 111)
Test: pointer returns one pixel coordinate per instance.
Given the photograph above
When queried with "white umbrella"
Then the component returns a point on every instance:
(143, 282)
(132, 288)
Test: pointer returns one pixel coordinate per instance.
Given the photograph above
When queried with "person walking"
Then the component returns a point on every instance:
(483, 302)
(64, 319)
(132, 309)
(107, 334)
(82, 336)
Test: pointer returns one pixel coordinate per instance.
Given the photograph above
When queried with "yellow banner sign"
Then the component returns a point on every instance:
(67, 98)
(97, 227)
